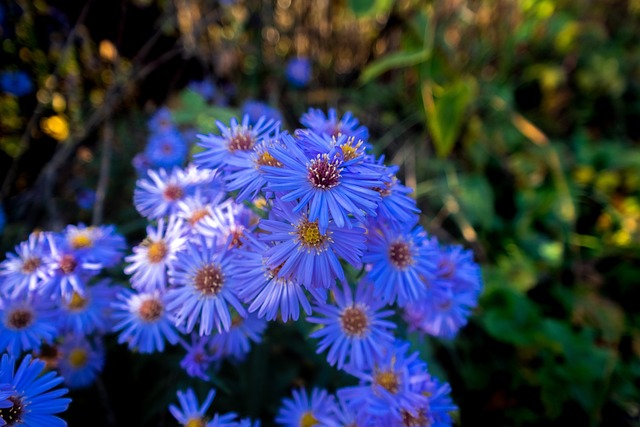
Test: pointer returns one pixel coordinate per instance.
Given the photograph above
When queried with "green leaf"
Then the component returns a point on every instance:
(406, 58)
(364, 8)
(445, 113)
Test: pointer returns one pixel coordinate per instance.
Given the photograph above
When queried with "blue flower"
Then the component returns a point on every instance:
(204, 284)
(199, 357)
(257, 109)
(161, 121)
(391, 387)
(236, 343)
(27, 270)
(86, 197)
(323, 184)
(143, 321)
(141, 164)
(396, 206)
(298, 72)
(17, 83)
(159, 195)
(192, 414)
(166, 149)
(303, 410)
(304, 252)
(34, 399)
(204, 88)
(234, 140)
(228, 223)
(329, 124)
(354, 330)
(3, 219)
(151, 258)
(402, 263)
(81, 361)
(88, 313)
(99, 244)
(265, 289)
(26, 323)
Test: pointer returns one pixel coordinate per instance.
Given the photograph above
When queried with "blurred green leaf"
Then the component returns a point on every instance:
(401, 59)
(363, 8)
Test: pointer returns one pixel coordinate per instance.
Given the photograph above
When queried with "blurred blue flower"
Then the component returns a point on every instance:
(305, 410)
(86, 197)
(17, 83)
(329, 124)
(166, 149)
(26, 270)
(34, 399)
(257, 109)
(191, 413)
(83, 315)
(26, 323)
(236, 342)
(3, 219)
(298, 72)
(81, 361)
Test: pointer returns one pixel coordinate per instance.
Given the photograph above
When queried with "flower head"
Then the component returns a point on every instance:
(27, 270)
(329, 124)
(166, 149)
(81, 360)
(304, 410)
(298, 72)
(25, 323)
(17, 83)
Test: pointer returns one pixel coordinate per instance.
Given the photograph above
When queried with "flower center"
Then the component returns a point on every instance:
(309, 234)
(78, 302)
(386, 191)
(167, 148)
(266, 159)
(68, 263)
(30, 265)
(308, 420)
(80, 241)
(354, 321)
(351, 149)
(157, 251)
(209, 280)
(235, 238)
(151, 310)
(78, 357)
(195, 422)
(323, 173)
(20, 318)
(387, 380)
(197, 215)
(420, 420)
(446, 268)
(241, 141)
(12, 415)
(173, 192)
(400, 255)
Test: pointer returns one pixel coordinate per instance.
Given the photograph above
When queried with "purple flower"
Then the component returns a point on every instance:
(331, 125)
(199, 357)
(190, 413)
(27, 270)
(88, 313)
(26, 323)
(304, 410)
(236, 342)
(298, 72)
(166, 149)
(81, 361)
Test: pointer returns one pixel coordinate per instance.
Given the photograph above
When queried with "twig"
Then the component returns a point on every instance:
(105, 167)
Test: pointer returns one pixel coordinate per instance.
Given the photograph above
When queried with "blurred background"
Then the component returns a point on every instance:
(516, 122)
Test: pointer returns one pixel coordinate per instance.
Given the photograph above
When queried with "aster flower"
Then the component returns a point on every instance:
(151, 258)
(392, 387)
(193, 210)
(190, 413)
(166, 149)
(161, 121)
(26, 270)
(141, 164)
(304, 252)
(158, 195)
(198, 358)
(25, 324)
(16, 83)
(86, 197)
(98, 244)
(204, 88)
(34, 401)
(298, 72)
(88, 313)
(204, 286)
(228, 222)
(402, 263)
(354, 330)
(81, 361)
(71, 269)
(143, 321)
(265, 289)
(323, 184)
(238, 138)
(305, 411)
(329, 124)
(345, 416)
(236, 343)
(256, 109)
(396, 205)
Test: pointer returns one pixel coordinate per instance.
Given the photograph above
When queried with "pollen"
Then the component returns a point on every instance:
(209, 280)
(387, 380)
(151, 310)
(157, 252)
(351, 149)
(266, 159)
(30, 265)
(354, 321)
(242, 141)
(195, 422)
(20, 318)
(68, 264)
(80, 241)
(309, 235)
(173, 192)
(13, 414)
(400, 255)
(77, 302)
(78, 358)
(198, 215)
(418, 420)
(323, 173)
(236, 238)
(308, 420)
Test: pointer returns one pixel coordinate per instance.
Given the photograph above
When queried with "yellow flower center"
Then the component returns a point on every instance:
(387, 380)
(308, 420)
(80, 241)
(157, 252)
(78, 358)
(266, 159)
(310, 235)
(195, 422)
(77, 302)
